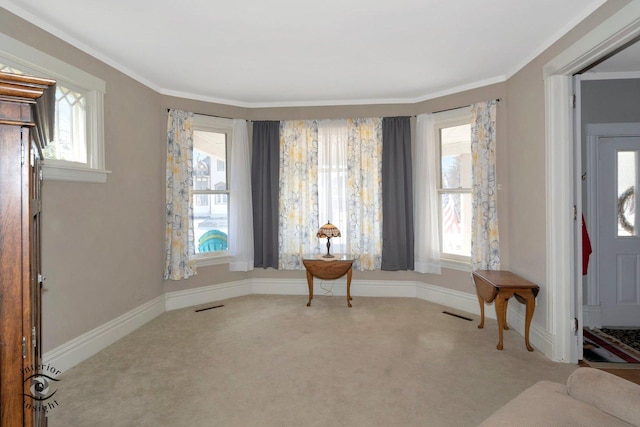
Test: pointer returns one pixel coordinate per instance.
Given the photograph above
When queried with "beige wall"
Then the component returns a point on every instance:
(103, 243)
(526, 163)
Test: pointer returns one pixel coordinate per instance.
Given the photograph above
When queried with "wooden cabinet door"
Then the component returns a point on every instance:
(12, 323)
(34, 292)
(20, 273)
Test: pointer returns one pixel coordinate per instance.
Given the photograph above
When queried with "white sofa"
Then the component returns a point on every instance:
(591, 397)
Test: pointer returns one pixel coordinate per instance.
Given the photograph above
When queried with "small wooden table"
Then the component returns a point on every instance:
(500, 286)
(328, 269)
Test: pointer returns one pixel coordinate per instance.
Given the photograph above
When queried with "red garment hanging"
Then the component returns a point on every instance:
(586, 248)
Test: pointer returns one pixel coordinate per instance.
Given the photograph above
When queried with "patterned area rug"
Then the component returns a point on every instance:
(628, 337)
(601, 347)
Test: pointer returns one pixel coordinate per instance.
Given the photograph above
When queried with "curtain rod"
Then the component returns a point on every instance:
(210, 115)
(415, 115)
(457, 108)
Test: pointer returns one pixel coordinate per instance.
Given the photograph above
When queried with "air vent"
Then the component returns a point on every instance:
(209, 308)
(457, 315)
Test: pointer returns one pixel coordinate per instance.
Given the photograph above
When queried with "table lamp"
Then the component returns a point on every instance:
(328, 230)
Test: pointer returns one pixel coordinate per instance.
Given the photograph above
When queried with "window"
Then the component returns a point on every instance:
(332, 180)
(77, 151)
(211, 139)
(454, 184)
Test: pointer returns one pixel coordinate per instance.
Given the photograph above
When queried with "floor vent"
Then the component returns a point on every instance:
(457, 315)
(209, 308)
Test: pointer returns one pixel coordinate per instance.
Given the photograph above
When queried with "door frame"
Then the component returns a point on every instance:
(621, 28)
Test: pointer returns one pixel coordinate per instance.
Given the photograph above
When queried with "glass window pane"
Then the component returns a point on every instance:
(69, 142)
(209, 160)
(211, 222)
(455, 149)
(11, 70)
(455, 223)
(627, 178)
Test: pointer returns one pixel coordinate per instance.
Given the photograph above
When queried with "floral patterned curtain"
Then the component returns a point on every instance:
(364, 187)
(485, 246)
(299, 214)
(298, 192)
(179, 240)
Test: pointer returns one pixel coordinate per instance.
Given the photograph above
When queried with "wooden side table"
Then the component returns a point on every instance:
(500, 286)
(328, 269)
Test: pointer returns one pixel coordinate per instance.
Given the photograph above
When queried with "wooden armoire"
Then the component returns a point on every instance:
(26, 119)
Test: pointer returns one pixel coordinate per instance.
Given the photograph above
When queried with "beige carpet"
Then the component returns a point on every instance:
(272, 361)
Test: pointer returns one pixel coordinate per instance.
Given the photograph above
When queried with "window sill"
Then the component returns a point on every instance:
(456, 264)
(74, 174)
(206, 260)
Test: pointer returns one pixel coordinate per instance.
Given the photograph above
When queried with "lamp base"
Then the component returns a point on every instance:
(328, 255)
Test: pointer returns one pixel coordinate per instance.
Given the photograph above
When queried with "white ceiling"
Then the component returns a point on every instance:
(295, 52)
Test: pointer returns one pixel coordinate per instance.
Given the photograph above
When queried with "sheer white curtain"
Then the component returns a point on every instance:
(426, 214)
(240, 210)
(332, 180)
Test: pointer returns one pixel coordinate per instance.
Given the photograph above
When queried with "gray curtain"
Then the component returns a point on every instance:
(397, 195)
(265, 177)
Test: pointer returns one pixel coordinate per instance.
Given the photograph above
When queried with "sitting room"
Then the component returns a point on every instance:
(317, 214)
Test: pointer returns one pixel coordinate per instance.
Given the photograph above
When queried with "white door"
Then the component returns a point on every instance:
(618, 244)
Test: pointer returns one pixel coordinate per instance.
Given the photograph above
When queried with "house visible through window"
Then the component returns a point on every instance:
(210, 186)
(455, 184)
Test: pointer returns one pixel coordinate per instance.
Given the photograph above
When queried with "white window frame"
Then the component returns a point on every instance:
(204, 123)
(31, 60)
(445, 119)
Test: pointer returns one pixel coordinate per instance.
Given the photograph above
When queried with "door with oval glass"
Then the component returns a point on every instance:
(617, 246)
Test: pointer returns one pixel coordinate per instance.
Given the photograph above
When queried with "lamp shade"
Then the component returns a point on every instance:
(328, 230)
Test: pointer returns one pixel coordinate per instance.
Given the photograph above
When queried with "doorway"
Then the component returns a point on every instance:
(608, 129)
(564, 318)
(612, 288)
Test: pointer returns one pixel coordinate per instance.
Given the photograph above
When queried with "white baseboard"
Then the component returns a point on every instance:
(592, 316)
(69, 354)
(538, 336)
(359, 288)
(190, 297)
(81, 348)
(383, 288)
(451, 298)
(283, 287)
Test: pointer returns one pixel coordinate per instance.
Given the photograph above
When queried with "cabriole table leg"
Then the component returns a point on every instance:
(310, 284)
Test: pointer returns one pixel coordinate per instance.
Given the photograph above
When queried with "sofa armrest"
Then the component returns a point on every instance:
(607, 392)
